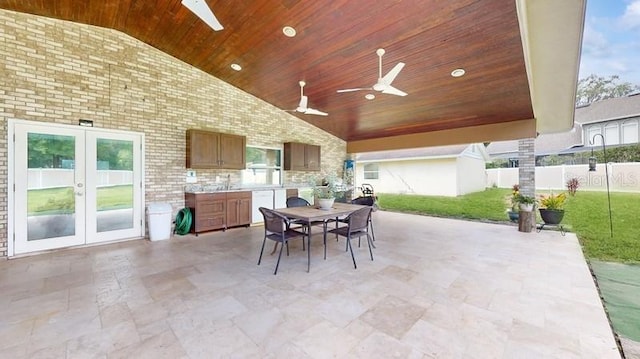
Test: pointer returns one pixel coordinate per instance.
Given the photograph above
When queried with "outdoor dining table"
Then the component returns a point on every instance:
(309, 214)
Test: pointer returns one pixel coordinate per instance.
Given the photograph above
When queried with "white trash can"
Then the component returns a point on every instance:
(159, 221)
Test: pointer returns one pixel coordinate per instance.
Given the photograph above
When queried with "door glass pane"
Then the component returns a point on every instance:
(115, 184)
(50, 189)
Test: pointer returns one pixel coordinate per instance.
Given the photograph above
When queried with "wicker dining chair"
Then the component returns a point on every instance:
(357, 226)
(277, 229)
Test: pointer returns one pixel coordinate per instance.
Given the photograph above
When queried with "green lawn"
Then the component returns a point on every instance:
(61, 200)
(586, 214)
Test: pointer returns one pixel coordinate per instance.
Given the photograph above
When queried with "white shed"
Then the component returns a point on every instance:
(441, 171)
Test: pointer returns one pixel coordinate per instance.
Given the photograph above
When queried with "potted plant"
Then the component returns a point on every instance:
(552, 208)
(526, 203)
(325, 190)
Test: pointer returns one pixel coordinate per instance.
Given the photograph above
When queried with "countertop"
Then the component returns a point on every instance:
(196, 189)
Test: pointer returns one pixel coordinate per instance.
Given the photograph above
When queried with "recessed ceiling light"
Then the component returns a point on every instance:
(289, 31)
(457, 72)
(236, 67)
(369, 96)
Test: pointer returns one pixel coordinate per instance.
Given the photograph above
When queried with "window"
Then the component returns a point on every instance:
(611, 134)
(630, 132)
(263, 166)
(591, 133)
(371, 171)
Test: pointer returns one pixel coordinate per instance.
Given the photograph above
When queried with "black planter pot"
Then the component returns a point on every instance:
(551, 216)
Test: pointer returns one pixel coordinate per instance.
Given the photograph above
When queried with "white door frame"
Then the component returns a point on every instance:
(11, 217)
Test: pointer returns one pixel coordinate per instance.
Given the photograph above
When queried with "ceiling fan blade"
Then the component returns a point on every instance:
(391, 75)
(354, 89)
(203, 11)
(311, 111)
(304, 100)
(388, 89)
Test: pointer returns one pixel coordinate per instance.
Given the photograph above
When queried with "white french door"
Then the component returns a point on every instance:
(73, 186)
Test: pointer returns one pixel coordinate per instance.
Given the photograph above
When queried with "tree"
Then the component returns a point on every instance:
(596, 88)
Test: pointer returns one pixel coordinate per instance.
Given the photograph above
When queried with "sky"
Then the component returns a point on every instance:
(611, 40)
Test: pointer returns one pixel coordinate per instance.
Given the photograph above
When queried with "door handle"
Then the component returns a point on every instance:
(79, 193)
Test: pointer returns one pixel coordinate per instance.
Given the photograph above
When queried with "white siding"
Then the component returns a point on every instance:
(471, 175)
(433, 177)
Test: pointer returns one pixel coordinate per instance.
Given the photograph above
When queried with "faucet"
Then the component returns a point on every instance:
(228, 184)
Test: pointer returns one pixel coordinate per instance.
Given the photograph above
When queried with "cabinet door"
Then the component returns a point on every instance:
(294, 156)
(292, 192)
(232, 213)
(202, 149)
(244, 211)
(238, 209)
(232, 151)
(312, 157)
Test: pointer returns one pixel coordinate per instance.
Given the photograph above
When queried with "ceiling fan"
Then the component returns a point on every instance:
(203, 11)
(302, 106)
(384, 83)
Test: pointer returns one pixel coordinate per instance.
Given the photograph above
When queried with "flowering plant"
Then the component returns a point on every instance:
(515, 192)
(517, 198)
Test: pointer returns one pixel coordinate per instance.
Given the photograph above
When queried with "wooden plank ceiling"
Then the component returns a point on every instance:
(335, 48)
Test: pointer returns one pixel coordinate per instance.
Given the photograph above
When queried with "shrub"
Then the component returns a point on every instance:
(572, 185)
(553, 201)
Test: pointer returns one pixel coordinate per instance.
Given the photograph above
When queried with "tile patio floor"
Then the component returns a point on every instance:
(438, 288)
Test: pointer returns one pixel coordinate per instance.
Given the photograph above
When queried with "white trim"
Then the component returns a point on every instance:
(11, 124)
(551, 32)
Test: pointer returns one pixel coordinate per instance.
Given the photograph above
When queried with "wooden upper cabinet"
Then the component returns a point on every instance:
(233, 151)
(301, 157)
(312, 157)
(206, 149)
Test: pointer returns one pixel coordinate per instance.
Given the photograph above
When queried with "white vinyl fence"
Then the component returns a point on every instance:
(40, 178)
(623, 177)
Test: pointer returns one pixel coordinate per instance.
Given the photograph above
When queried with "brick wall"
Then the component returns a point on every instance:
(58, 71)
(527, 166)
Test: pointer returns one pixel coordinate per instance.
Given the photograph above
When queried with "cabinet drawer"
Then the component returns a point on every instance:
(238, 195)
(209, 207)
(202, 197)
(209, 223)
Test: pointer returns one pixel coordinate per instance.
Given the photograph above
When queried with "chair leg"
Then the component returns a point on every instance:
(286, 243)
(373, 235)
(369, 241)
(262, 250)
(275, 247)
(279, 256)
(351, 248)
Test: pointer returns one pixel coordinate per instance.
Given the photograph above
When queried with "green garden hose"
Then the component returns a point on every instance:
(183, 221)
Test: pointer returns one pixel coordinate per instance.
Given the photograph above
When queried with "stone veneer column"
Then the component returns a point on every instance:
(527, 166)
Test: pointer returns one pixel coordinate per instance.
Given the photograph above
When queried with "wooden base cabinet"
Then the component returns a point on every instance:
(238, 209)
(212, 211)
